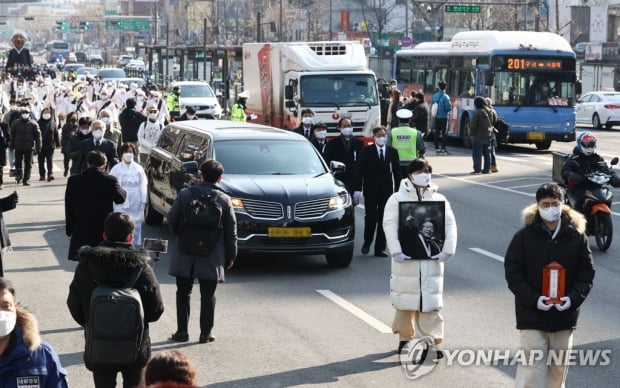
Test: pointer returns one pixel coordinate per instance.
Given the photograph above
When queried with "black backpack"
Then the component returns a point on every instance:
(115, 323)
(199, 229)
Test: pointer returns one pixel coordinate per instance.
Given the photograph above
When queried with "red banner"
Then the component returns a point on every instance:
(344, 20)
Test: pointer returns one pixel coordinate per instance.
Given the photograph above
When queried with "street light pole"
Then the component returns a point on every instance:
(280, 27)
(330, 21)
(406, 19)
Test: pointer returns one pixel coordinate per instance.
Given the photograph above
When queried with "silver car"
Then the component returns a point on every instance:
(199, 95)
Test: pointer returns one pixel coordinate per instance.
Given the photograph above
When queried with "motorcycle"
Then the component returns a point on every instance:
(597, 207)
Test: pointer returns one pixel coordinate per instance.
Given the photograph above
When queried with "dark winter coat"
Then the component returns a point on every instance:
(5, 140)
(115, 263)
(30, 358)
(579, 164)
(89, 198)
(75, 151)
(6, 204)
(531, 249)
(106, 146)
(25, 135)
(68, 131)
(200, 267)
(49, 135)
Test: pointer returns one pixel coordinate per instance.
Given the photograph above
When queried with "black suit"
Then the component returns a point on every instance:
(320, 145)
(106, 146)
(302, 131)
(337, 149)
(88, 201)
(378, 180)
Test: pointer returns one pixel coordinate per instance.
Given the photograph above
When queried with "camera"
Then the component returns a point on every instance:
(155, 245)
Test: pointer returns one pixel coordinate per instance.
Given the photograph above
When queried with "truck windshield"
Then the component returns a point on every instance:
(338, 90)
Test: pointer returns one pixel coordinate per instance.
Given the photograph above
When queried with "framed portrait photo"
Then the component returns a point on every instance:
(421, 228)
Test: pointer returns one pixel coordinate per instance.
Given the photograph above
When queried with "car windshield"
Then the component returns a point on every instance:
(112, 73)
(196, 91)
(268, 157)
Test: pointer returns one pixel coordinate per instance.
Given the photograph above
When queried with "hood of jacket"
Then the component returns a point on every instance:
(113, 262)
(576, 219)
(29, 327)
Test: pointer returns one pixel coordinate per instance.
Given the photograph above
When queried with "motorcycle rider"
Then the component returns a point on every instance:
(585, 160)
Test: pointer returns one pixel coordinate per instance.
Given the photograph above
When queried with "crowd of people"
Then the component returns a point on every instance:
(106, 131)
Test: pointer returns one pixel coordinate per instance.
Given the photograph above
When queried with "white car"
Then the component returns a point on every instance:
(136, 65)
(599, 108)
(199, 95)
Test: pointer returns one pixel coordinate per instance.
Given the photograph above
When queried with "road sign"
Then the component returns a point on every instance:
(462, 8)
(128, 24)
(406, 41)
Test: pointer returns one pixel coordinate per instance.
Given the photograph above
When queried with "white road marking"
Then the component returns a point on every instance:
(530, 185)
(488, 254)
(490, 186)
(361, 314)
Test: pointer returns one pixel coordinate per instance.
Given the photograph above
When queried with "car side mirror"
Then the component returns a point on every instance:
(190, 167)
(337, 167)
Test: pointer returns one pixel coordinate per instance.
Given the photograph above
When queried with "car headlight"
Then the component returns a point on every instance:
(339, 202)
(238, 205)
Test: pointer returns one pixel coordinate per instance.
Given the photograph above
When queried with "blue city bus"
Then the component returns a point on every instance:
(507, 66)
(57, 50)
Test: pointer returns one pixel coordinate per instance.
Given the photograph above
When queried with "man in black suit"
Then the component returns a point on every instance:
(345, 148)
(307, 120)
(378, 175)
(89, 198)
(130, 120)
(319, 138)
(98, 143)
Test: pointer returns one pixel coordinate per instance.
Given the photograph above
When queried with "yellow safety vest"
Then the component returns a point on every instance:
(405, 139)
(238, 113)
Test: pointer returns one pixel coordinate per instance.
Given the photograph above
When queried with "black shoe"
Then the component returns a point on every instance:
(26, 183)
(365, 248)
(381, 254)
(401, 345)
(180, 337)
(205, 338)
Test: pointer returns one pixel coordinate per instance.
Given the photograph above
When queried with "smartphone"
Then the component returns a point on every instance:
(155, 245)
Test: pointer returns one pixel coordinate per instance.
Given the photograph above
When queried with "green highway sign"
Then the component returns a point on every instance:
(127, 24)
(462, 8)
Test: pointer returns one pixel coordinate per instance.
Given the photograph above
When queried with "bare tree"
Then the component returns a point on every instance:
(375, 14)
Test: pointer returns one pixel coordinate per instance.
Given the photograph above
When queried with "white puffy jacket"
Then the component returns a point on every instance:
(416, 284)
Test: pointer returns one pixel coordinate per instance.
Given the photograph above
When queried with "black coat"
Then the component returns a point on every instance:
(301, 131)
(68, 132)
(375, 177)
(130, 120)
(530, 250)
(335, 150)
(106, 146)
(5, 140)
(49, 135)
(115, 263)
(322, 148)
(578, 165)
(88, 201)
(75, 151)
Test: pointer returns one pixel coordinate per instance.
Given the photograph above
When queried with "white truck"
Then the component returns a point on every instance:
(330, 78)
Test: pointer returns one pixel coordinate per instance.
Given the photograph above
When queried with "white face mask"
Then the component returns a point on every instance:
(25, 116)
(551, 214)
(85, 131)
(7, 322)
(106, 120)
(98, 134)
(153, 116)
(422, 179)
(347, 131)
(308, 120)
(104, 97)
(320, 134)
(190, 117)
(380, 140)
(46, 116)
(128, 157)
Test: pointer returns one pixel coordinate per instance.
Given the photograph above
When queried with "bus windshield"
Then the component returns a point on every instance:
(338, 90)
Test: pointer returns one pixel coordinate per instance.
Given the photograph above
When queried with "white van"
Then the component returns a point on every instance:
(199, 95)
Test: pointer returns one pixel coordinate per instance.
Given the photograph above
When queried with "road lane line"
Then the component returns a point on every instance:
(361, 314)
(530, 185)
(488, 254)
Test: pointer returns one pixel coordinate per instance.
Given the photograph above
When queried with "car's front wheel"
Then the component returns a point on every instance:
(339, 258)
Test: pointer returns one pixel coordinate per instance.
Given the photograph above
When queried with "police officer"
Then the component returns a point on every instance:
(238, 110)
(407, 141)
(172, 103)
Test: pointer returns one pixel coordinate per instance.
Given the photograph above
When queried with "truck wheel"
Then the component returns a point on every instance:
(340, 258)
(151, 216)
(544, 145)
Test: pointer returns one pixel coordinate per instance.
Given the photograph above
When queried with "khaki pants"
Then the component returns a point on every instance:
(538, 374)
(408, 322)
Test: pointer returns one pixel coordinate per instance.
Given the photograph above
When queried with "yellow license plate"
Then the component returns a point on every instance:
(535, 136)
(289, 232)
